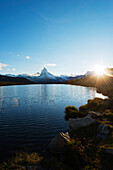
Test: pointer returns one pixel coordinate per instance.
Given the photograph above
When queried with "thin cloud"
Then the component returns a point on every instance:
(2, 65)
(27, 57)
(50, 65)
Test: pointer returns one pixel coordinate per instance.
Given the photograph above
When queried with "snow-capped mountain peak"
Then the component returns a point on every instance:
(46, 74)
(46, 77)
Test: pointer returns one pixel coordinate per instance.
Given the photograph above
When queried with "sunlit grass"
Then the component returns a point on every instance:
(22, 159)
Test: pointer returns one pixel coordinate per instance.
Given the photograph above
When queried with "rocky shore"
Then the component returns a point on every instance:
(88, 143)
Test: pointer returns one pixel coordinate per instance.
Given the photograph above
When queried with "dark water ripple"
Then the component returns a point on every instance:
(32, 115)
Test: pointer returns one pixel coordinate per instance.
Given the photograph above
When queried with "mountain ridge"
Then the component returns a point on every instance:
(7, 80)
(46, 77)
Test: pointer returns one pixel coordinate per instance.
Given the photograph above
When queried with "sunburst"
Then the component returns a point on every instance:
(99, 70)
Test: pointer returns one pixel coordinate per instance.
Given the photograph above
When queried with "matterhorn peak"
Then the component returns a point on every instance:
(46, 74)
(44, 68)
(44, 71)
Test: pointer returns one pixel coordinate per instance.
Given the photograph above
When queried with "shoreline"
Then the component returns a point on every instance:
(62, 83)
(85, 139)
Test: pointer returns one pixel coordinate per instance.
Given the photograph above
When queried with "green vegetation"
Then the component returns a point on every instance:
(69, 109)
(71, 112)
(86, 144)
(92, 148)
(97, 104)
(21, 161)
(24, 160)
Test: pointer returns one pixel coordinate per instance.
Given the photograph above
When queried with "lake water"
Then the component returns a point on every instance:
(31, 115)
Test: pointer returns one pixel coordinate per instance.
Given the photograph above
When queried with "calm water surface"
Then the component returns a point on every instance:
(31, 115)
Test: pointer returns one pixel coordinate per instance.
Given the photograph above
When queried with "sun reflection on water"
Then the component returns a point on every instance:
(15, 102)
(99, 95)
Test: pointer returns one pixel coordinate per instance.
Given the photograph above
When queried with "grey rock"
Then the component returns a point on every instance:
(103, 131)
(58, 143)
(81, 122)
(94, 114)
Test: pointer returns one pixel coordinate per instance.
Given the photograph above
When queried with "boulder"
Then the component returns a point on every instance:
(103, 131)
(80, 122)
(58, 143)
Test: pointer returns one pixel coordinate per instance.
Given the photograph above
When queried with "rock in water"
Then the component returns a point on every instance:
(80, 122)
(103, 131)
(58, 143)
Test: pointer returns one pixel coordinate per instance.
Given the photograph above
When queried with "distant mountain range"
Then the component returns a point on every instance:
(39, 78)
(7, 80)
(104, 83)
(45, 77)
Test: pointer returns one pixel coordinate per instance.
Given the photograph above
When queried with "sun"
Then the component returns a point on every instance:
(99, 70)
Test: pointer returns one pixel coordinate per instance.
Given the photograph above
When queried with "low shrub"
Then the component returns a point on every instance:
(84, 108)
(96, 104)
(85, 150)
(21, 159)
(106, 117)
(69, 109)
(72, 112)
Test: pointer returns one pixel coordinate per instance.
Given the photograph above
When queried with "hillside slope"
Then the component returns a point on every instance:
(104, 84)
(6, 80)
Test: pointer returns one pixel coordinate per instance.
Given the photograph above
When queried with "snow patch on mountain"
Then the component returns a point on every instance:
(46, 74)
(46, 77)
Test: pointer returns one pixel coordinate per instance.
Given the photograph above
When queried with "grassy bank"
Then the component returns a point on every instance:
(86, 141)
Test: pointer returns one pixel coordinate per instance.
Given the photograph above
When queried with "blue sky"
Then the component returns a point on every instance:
(73, 35)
